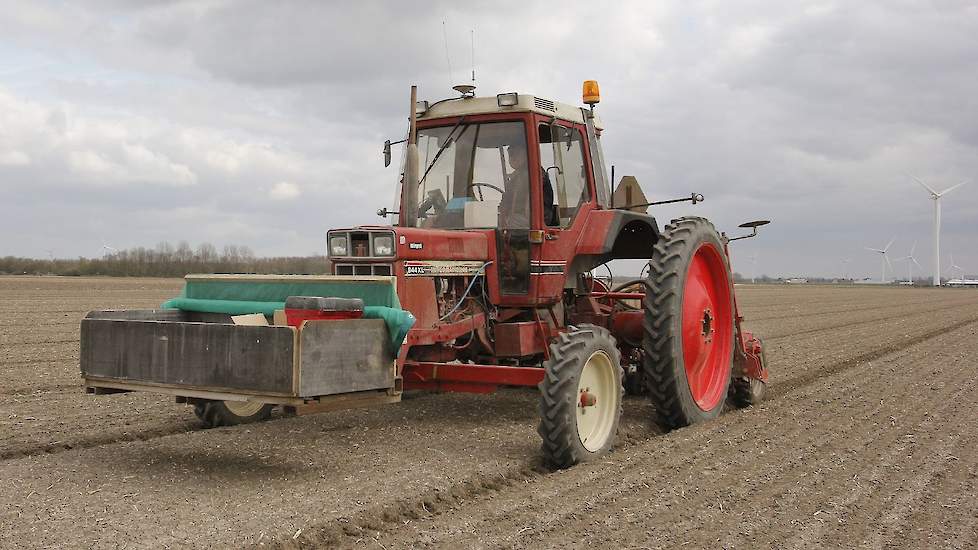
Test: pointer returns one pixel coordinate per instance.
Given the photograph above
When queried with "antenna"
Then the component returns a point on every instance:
(444, 33)
(472, 39)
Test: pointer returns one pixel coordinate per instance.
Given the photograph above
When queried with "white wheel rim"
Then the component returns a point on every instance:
(244, 408)
(596, 421)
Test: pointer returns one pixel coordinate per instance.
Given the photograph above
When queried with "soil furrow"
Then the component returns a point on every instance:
(850, 308)
(815, 374)
(888, 443)
(599, 494)
(38, 389)
(871, 321)
(97, 440)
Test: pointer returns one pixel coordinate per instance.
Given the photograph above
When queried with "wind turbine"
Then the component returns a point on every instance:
(753, 266)
(845, 268)
(107, 250)
(910, 261)
(884, 261)
(936, 197)
(956, 266)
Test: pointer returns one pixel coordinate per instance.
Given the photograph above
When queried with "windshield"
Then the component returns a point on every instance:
(480, 179)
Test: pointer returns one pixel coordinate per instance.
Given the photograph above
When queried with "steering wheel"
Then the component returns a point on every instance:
(489, 185)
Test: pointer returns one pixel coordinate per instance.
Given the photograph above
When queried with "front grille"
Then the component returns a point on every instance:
(544, 104)
(362, 244)
(363, 269)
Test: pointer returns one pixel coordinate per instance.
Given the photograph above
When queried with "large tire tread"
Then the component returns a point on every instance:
(663, 303)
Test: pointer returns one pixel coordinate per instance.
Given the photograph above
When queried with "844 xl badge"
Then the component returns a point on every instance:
(438, 268)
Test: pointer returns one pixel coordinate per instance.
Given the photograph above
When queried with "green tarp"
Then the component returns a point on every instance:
(257, 295)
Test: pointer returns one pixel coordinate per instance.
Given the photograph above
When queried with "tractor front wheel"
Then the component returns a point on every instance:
(580, 396)
(231, 413)
(689, 324)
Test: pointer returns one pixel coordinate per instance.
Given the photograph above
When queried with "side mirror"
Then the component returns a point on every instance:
(387, 153)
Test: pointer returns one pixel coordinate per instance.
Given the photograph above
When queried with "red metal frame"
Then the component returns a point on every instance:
(747, 351)
(459, 377)
(619, 295)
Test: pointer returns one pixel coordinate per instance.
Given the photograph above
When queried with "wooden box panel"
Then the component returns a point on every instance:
(344, 356)
(198, 355)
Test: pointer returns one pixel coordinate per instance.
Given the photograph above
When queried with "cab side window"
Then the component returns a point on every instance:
(564, 179)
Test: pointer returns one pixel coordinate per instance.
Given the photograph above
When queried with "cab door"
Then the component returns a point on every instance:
(565, 197)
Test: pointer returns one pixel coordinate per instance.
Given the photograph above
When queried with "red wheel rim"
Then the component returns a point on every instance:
(707, 320)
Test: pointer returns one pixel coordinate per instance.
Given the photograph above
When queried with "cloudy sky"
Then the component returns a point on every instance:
(261, 123)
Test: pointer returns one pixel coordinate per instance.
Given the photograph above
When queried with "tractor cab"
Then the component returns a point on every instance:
(511, 162)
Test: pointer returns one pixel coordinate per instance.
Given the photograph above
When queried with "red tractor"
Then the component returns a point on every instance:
(505, 212)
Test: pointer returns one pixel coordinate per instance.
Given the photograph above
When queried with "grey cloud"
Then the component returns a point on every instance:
(805, 113)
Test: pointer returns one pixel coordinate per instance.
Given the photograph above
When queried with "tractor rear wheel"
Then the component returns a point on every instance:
(745, 391)
(689, 325)
(580, 396)
(231, 413)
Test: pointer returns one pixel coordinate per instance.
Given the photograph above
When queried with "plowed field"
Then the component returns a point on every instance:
(867, 440)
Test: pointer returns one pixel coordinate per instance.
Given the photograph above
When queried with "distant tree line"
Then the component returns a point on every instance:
(166, 260)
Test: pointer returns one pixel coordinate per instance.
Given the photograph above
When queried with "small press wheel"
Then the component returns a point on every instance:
(745, 391)
(231, 413)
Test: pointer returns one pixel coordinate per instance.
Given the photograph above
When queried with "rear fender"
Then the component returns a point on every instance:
(613, 235)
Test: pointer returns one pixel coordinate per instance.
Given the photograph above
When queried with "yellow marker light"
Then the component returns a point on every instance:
(591, 93)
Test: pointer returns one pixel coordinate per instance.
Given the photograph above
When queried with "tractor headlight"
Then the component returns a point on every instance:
(383, 245)
(338, 245)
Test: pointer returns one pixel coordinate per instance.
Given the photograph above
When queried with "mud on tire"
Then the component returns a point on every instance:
(688, 277)
(583, 356)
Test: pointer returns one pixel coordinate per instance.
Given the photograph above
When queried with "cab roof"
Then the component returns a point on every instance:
(486, 105)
